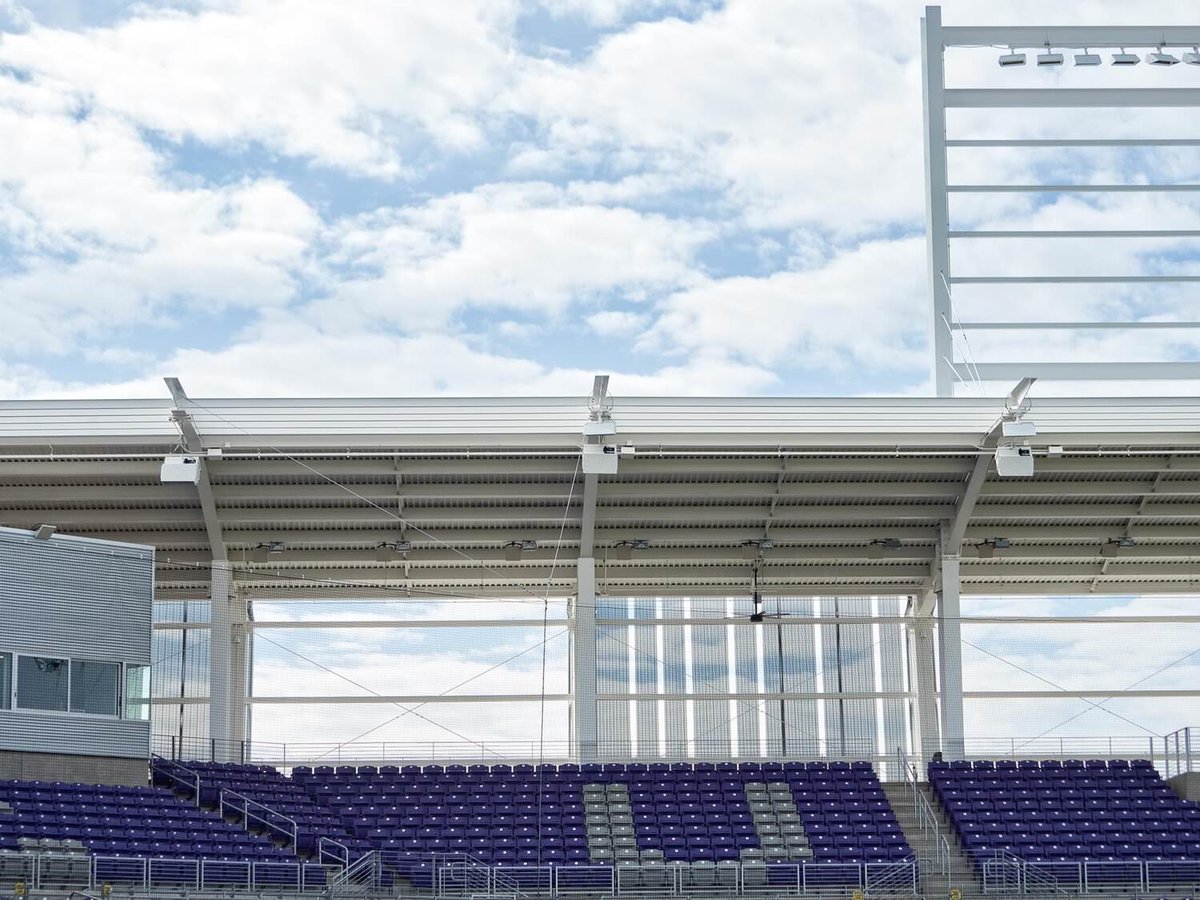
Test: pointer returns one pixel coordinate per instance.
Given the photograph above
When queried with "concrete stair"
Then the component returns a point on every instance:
(934, 882)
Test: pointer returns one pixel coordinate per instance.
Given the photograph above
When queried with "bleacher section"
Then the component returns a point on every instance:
(283, 795)
(678, 812)
(112, 821)
(1057, 813)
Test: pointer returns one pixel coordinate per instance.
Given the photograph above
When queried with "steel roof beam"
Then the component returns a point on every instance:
(1071, 98)
(1068, 37)
(193, 443)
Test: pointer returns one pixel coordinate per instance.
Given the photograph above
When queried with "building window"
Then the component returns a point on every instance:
(42, 682)
(5, 681)
(137, 692)
(95, 687)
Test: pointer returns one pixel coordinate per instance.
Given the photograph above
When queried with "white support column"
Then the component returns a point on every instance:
(937, 206)
(950, 655)
(239, 655)
(583, 661)
(926, 731)
(220, 659)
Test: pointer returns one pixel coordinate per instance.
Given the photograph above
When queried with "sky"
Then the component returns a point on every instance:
(296, 197)
(483, 197)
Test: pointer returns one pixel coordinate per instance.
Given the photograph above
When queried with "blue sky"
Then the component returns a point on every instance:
(304, 197)
(288, 197)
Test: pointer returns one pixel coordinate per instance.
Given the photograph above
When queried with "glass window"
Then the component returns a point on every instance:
(95, 686)
(137, 692)
(5, 680)
(41, 682)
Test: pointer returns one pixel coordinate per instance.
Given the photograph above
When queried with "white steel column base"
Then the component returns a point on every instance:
(583, 663)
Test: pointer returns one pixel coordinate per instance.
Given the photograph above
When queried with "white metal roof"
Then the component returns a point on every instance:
(459, 478)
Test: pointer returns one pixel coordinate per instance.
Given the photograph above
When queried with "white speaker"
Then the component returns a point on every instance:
(1014, 462)
(176, 469)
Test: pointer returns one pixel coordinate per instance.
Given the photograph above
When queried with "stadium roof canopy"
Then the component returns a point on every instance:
(825, 496)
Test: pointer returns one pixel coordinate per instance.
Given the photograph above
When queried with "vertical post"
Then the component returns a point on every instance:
(239, 652)
(950, 647)
(220, 657)
(927, 736)
(937, 207)
(583, 661)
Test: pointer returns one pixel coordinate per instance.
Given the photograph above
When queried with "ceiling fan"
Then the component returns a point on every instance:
(757, 613)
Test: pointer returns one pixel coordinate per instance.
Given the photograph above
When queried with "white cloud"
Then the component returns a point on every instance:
(864, 308)
(607, 13)
(517, 246)
(292, 359)
(617, 322)
(105, 237)
(755, 96)
(339, 84)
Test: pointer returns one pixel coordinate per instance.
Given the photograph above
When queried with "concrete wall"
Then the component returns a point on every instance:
(1187, 785)
(74, 768)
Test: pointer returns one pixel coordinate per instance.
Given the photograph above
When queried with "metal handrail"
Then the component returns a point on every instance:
(42, 872)
(286, 755)
(165, 765)
(344, 859)
(292, 833)
(927, 819)
(1042, 880)
(1181, 754)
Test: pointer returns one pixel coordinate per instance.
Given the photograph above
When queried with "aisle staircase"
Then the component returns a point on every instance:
(943, 863)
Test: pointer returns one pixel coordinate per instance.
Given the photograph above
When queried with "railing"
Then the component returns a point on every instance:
(1005, 873)
(1182, 753)
(231, 801)
(416, 752)
(178, 773)
(654, 878)
(328, 848)
(466, 874)
(366, 872)
(80, 872)
(927, 818)
(890, 878)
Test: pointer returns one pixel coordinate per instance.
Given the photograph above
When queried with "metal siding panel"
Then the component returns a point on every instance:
(31, 732)
(78, 598)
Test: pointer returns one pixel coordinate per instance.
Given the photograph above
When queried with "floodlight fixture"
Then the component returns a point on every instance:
(44, 532)
(514, 549)
(1192, 57)
(875, 548)
(265, 550)
(1125, 59)
(1161, 57)
(1012, 58)
(623, 550)
(387, 551)
(752, 548)
(1049, 58)
(1087, 58)
(987, 549)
